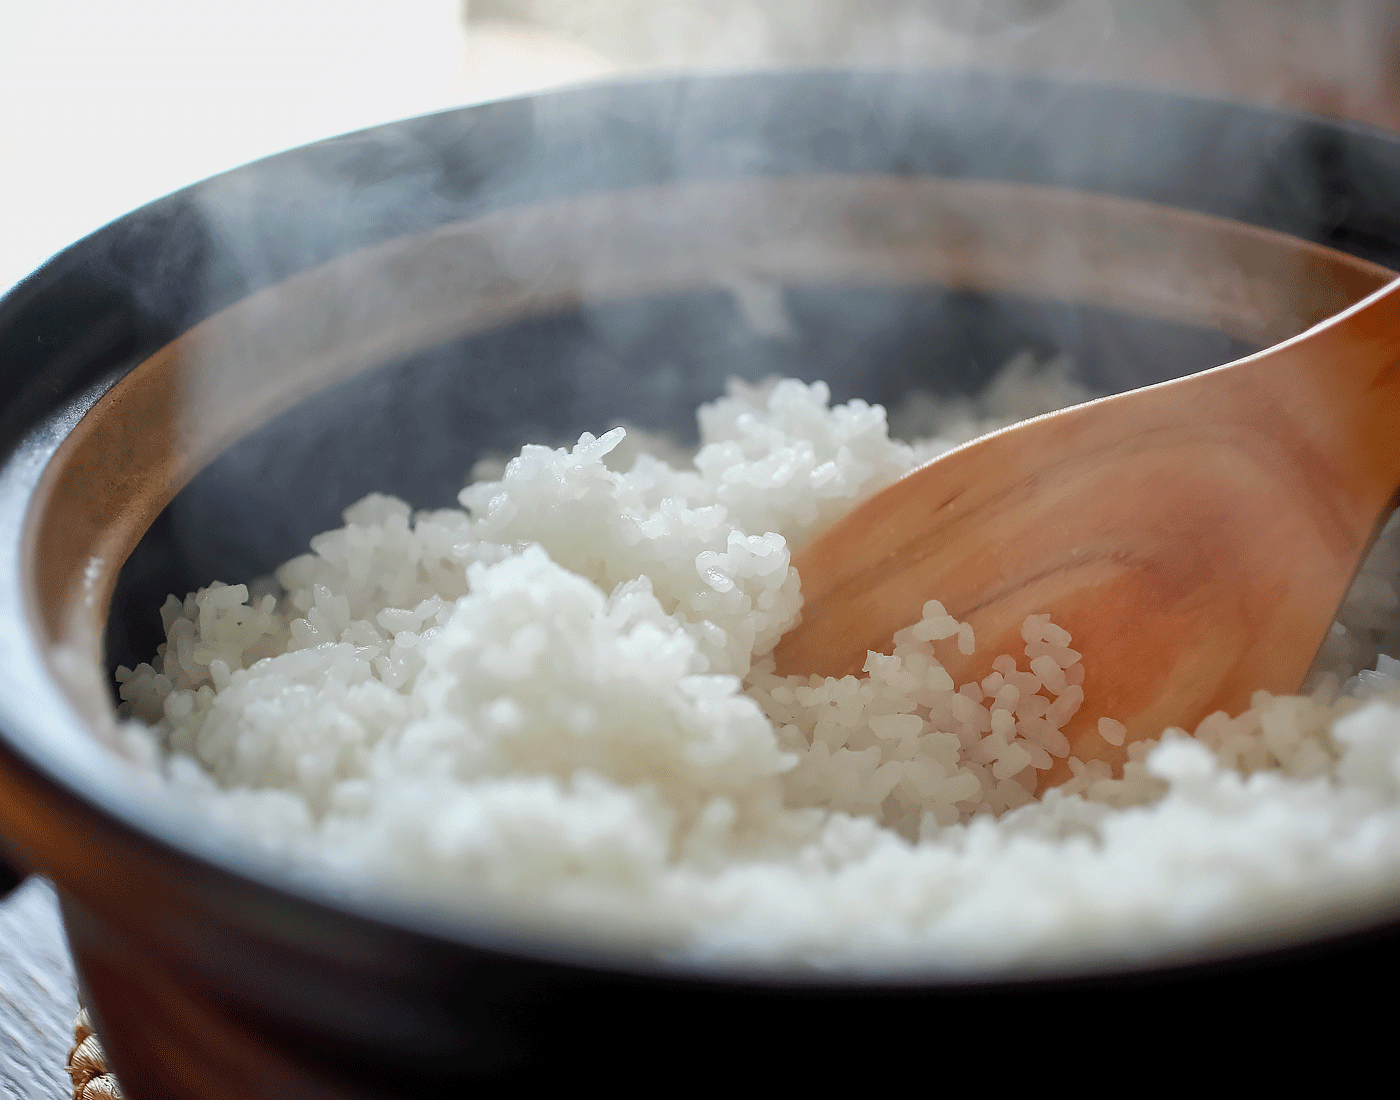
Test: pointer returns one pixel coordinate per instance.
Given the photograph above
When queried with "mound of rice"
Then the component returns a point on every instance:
(558, 705)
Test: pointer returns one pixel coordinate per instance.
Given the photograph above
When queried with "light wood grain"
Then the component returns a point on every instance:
(1196, 538)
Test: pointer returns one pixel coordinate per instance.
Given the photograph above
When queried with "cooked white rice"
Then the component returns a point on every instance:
(557, 704)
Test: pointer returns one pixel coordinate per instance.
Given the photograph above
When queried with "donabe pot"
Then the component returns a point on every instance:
(195, 390)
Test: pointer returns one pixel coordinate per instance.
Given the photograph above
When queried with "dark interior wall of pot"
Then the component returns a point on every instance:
(414, 428)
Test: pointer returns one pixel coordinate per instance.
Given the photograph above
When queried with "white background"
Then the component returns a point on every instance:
(105, 106)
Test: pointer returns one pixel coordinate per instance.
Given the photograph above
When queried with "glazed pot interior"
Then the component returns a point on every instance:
(394, 368)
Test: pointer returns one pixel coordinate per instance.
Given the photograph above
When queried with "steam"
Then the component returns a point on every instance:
(1335, 57)
(245, 232)
(730, 34)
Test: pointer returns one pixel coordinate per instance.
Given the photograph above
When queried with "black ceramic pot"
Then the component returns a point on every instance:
(373, 311)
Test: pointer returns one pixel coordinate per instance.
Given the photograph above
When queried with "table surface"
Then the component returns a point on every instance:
(38, 999)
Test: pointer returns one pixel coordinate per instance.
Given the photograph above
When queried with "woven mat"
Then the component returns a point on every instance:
(87, 1064)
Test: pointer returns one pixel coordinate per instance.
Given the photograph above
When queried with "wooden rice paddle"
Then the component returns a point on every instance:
(1195, 537)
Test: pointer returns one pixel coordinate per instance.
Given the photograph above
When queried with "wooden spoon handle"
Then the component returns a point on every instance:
(1335, 392)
